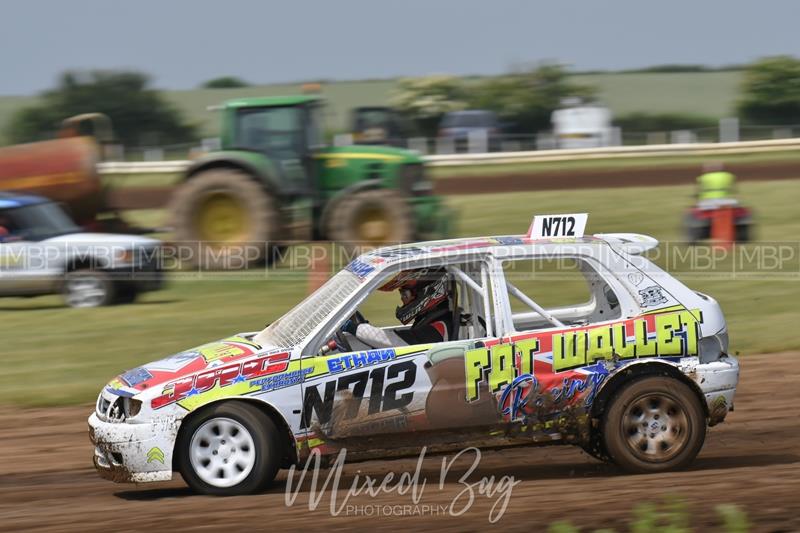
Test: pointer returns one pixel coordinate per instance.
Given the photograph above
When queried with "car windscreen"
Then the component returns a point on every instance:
(269, 129)
(469, 120)
(40, 221)
(293, 327)
(373, 118)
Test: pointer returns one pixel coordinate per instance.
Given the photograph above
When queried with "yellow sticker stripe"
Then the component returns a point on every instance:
(31, 182)
(665, 310)
(318, 365)
(359, 155)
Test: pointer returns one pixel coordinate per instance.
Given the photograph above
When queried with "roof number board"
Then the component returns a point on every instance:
(553, 226)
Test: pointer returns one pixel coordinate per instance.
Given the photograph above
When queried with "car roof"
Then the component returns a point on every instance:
(272, 101)
(470, 112)
(380, 258)
(9, 200)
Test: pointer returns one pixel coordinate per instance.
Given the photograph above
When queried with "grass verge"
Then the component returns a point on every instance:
(55, 355)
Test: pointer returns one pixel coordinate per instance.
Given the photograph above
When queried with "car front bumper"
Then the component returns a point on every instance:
(128, 452)
(717, 380)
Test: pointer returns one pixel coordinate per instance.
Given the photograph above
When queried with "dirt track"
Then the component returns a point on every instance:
(153, 197)
(753, 460)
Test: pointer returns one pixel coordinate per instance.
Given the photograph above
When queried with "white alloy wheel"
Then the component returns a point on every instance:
(86, 288)
(222, 452)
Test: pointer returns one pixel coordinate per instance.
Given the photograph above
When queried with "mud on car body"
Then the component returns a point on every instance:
(634, 373)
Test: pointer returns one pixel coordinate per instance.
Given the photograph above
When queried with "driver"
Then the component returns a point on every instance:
(425, 296)
(5, 226)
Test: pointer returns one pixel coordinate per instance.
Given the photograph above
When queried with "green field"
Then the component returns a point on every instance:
(710, 94)
(481, 171)
(56, 355)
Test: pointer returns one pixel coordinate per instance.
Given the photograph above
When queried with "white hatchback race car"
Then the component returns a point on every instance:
(633, 370)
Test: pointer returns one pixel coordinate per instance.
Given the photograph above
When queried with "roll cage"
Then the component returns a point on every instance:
(484, 293)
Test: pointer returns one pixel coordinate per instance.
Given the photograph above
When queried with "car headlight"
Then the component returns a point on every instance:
(123, 256)
(712, 347)
(131, 407)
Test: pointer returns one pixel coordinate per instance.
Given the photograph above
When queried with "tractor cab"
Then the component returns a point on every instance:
(286, 130)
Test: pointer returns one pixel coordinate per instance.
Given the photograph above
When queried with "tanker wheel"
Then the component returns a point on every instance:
(227, 211)
(370, 219)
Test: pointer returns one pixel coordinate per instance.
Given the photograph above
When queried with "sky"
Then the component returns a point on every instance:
(182, 43)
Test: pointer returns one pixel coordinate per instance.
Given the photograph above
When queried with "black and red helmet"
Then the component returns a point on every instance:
(429, 286)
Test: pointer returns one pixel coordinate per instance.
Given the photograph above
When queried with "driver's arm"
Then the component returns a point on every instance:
(377, 337)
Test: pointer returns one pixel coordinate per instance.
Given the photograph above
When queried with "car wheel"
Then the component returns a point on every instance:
(230, 449)
(372, 218)
(87, 288)
(125, 295)
(221, 212)
(694, 230)
(595, 447)
(654, 424)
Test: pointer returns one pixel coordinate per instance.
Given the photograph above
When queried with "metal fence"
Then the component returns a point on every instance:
(728, 131)
(493, 158)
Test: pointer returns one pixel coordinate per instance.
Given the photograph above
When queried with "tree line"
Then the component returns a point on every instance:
(523, 100)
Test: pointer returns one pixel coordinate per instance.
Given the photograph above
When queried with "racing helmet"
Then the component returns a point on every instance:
(429, 286)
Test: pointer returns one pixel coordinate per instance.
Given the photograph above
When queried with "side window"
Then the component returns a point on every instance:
(270, 129)
(569, 289)
(455, 308)
(461, 308)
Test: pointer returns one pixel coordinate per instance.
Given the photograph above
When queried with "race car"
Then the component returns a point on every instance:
(556, 337)
(42, 251)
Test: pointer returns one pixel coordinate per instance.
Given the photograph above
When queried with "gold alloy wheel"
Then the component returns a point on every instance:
(221, 217)
(373, 225)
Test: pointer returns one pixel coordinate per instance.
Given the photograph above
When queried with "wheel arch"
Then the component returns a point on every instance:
(258, 175)
(290, 456)
(75, 263)
(79, 261)
(635, 371)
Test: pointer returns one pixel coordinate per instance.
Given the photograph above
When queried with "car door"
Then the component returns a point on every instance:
(382, 398)
(24, 269)
(540, 386)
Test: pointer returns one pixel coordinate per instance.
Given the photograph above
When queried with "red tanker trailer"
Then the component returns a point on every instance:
(64, 169)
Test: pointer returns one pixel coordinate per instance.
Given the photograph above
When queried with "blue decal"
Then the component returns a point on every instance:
(515, 406)
(280, 381)
(120, 392)
(360, 269)
(136, 376)
(359, 359)
(508, 240)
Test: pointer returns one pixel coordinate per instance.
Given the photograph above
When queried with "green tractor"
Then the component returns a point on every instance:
(274, 181)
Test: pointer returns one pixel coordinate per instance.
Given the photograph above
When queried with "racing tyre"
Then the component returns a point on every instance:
(595, 447)
(125, 295)
(743, 233)
(654, 424)
(230, 213)
(87, 288)
(230, 449)
(370, 218)
(694, 230)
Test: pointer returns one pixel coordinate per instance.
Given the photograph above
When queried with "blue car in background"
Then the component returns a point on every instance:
(478, 123)
(43, 251)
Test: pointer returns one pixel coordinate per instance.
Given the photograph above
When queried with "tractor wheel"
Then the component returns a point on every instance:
(743, 232)
(370, 219)
(227, 211)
